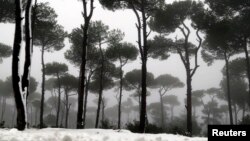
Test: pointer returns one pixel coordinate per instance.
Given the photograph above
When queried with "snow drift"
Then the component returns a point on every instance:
(56, 134)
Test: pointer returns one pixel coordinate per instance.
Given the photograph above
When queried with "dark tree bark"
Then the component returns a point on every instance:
(58, 100)
(85, 28)
(21, 122)
(20, 89)
(142, 32)
(228, 89)
(189, 72)
(43, 89)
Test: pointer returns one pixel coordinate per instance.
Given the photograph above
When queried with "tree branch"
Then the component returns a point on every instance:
(196, 53)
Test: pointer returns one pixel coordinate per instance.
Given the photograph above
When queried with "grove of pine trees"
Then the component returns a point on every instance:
(106, 80)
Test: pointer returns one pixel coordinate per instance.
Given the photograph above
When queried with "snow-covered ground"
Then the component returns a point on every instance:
(50, 134)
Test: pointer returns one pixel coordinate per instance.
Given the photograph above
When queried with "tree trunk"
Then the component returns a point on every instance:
(58, 100)
(36, 117)
(103, 108)
(189, 103)
(43, 89)
(143, 98)
(28, 48)
(31, 112)
(120, 98)
(143, 113)
(86, 99)
(162, 112)
(243, 112)
(100, 95)
(19, 97)
(67, 109)
(85, 28)
(228, 90)
(189, 87)
(172, 113)
(62, 117)
(247, 66)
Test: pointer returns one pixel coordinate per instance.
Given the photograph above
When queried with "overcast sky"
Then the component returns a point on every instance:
(69, 15)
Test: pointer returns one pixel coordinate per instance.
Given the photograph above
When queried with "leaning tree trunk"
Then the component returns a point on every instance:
(228, 89)
(83, 64)
(58, 100)
(43, 89)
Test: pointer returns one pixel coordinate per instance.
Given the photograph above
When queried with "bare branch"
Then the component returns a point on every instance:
(196, 53)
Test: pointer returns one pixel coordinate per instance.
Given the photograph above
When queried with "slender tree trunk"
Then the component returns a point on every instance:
(100, 95)
(58, 100)
(85, 28)
(143, 115)
(86, 99)
(189, 103)
(228, 89)
(43, 88)
(36, 113)
(31, 117)
(62, 117)
(67, 109)
(120, 97)
(243, 112)
(162, 112)
(247, 67)
(189, 87)
(19, 97)
(103, 108)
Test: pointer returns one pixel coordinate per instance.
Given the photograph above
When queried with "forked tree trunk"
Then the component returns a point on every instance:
(85, 28)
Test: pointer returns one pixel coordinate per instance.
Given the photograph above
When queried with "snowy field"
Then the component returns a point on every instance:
(50, 134)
